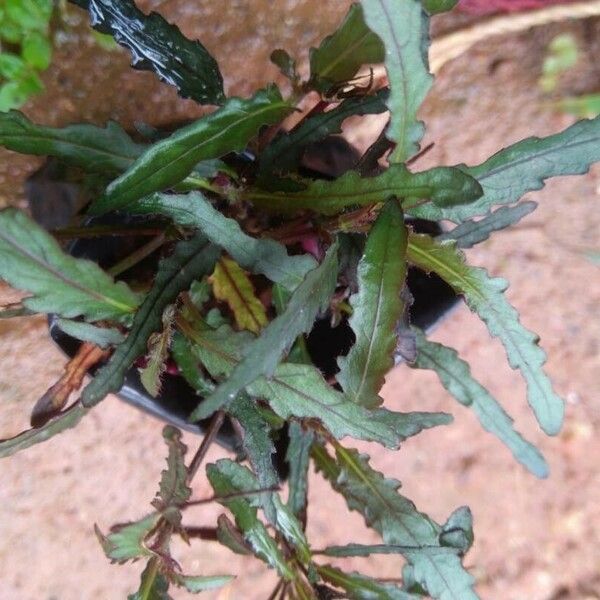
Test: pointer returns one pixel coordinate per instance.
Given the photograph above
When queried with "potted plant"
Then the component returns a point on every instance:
(245, 249)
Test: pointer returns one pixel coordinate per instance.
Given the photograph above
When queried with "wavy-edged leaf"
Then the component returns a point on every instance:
(485, 297)
(376, 308)
(524, 167)
(159, 46)
(444, 186)
(262, 356)
(190, 260)
(297, 390)
(231, 284)
(470, 233)
(396, 518)
(31, 260)
(298, 458)
(361, 587)
(284, 154)
(201, 583)
(340, 55)
(127, 542)
(65, 420)
(173, 488)
(99, 149)
(227, 478)
(403, 28)
(261, 256)
(171, 160)
(100, 336)
(455, 375)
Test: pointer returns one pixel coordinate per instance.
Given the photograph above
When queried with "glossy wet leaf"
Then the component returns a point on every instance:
(485, 297)
(470, 233)
(100, 336)
(172, 159)
(443, 186)
(455, 375)
(159, 46)
(340, 55)
(524, 167)
(231, 284)
(261, 256)
(309, 299)
(403, 28)
(190, 260)
(397, 520)
(127, 542)
(31, 260)
(98, 149)
(226, 478)
(376, 309)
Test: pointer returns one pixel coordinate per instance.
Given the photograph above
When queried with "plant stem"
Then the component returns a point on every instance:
(209, 437)
(138, 255)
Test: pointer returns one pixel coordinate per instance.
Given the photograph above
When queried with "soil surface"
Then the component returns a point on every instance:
(534, 540)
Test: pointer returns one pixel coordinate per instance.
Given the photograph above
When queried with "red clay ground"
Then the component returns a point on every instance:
(534, 540)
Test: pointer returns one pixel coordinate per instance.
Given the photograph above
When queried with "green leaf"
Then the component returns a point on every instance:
(232, 285)
(31, 260)
(403, 28)
(360, 587)
(262, 356)
(582, 107)
(196, 584)
(105, 150)
(153, 585)
(37, 51)
(230, 537)
(298, 458)
(470, 233)
(65, 420)
(562, 56)
(434, 7)
(340, 56)
(226, 478)
(11, 67)
(455, 375)
(296, 390)
(376, 309)
(127, 542)
(262, 256)
(484, 296)
(30, 15)
(15, 310)
(159, 46)
(171, 160)
(101, 336)
(286, 64)
(158, 352)
(285, 152)
(174, 489)
(524, 167)
(457, 531)
(190, 260)
(444, 186)
(189, 365)
(437, 568)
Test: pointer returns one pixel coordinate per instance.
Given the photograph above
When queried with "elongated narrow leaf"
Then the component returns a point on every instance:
(190, 260)
(284, 154)
(297, 390)
(127, 543)
(106, 150)
(65, 420)
(100, 336)
(396, 518)
(377, 307)
(153, 584)
(201, 583)
(261, 256)
(455, 375)
(171, 160)
(298, 459)
(484, 296)
(444, 186)
(473, 232)
(174, 489)
(232, 285)
(227, 478)
(361, 587)
(524, 167)
(31, 260)
(159, 46)
(309, 299)
(403, 28)
(340, 55)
